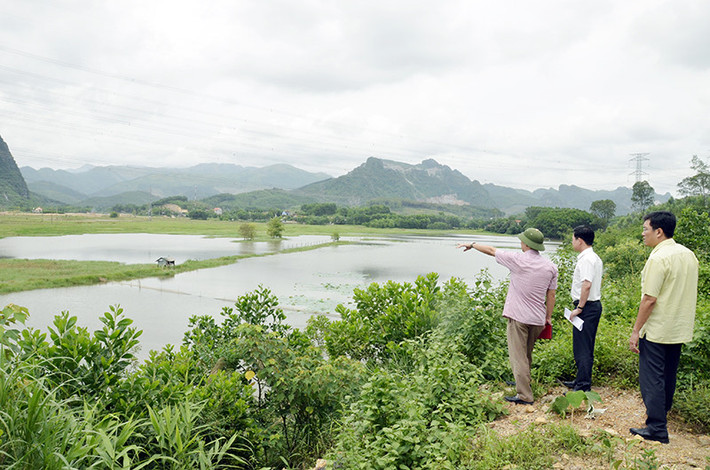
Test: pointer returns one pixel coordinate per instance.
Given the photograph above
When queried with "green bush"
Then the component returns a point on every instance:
(384, 315)
(694, 365)
(421, 418)
(298, 392)
(475, 318)
(693, 405)
(693, 232)
(624, 259)
(275, 389)
(80, 363)
(614, 364)
(554, 359)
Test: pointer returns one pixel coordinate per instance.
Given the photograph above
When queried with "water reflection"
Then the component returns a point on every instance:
(306, 282)
(140, 248)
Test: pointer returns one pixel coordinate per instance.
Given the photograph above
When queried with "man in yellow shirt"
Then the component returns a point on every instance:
(669, 288)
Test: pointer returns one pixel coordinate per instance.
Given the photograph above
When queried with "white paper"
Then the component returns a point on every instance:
(576, 321)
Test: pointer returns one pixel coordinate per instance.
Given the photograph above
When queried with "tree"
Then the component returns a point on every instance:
(642, 196)
(604, 209)
(698, 184)
(247, 231)
(198, 214)
(275, 228)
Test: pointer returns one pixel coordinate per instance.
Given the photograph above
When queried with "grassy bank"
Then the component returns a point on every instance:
(22, 274)
(31, 225)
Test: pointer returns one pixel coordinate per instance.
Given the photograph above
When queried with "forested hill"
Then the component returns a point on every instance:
(432, 182)
(12, 184)
(386, 179)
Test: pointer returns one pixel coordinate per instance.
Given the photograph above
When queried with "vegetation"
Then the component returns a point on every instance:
(22, 274)
(12, 185)
(605, 209)
(247, 231)
(275, 228)
(406, 378)
(642, 196)
(699, 183)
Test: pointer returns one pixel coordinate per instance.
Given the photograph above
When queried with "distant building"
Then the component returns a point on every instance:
(174, 209)
(218, 211)
(37, 210)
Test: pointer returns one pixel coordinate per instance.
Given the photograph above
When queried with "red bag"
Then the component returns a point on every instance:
(546, 332)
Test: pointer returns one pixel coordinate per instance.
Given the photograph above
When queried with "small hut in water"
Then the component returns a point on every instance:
(165, 262)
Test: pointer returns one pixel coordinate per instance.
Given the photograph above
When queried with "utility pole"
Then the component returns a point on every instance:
(639, 158)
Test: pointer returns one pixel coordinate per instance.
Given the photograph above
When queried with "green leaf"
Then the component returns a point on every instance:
(593, 397)
(576, 398)
(560, 405)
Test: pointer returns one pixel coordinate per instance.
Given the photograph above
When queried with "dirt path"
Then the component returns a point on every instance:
(624, 410)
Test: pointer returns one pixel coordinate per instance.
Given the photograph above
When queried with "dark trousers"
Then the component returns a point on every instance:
(658, 368)
(583, 344)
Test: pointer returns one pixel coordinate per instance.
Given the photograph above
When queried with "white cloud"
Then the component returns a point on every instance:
(526, 94)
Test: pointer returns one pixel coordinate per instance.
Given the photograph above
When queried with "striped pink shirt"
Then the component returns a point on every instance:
(531, 276)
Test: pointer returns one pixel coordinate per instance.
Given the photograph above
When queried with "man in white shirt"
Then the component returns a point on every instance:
(586, 295)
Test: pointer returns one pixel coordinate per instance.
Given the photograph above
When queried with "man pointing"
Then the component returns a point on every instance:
(528, 305)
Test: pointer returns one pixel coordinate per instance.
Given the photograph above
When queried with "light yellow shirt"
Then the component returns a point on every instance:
(671, 276)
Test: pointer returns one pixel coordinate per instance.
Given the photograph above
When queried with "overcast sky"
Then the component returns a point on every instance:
(526, 94)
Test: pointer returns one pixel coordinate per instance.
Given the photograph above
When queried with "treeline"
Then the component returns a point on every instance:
(379, 216)
(554, 222)
(195, 210)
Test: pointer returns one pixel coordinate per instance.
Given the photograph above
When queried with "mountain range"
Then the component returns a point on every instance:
(431, 183)
(196, 182)
(427, 185)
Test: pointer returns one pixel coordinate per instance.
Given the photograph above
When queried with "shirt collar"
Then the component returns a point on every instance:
(585, 252)
(664, 243)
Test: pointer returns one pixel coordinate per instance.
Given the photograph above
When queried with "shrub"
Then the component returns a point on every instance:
(80, 363)
(475, 318)
(693, 405)
(417, 419)
(384, 315)
(694, 365)
(275, 386)
(624, 259)
(247, 231)
(299, 393)
(275, 228)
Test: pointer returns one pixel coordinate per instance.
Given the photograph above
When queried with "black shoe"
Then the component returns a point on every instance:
(569, 384)
(518, 401)
(646, 434)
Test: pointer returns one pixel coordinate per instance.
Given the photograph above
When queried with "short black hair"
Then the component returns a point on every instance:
(584, 232)
(662, 219)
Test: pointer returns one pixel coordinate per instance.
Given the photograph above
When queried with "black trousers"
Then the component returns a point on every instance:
(658, 368)
(583, 344)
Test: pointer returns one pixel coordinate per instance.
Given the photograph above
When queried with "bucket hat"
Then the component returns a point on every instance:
(533, 238)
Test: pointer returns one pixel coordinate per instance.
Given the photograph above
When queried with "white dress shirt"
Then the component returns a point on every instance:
(589, 268)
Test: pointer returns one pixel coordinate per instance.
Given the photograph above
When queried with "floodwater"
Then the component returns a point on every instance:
(306, 283)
